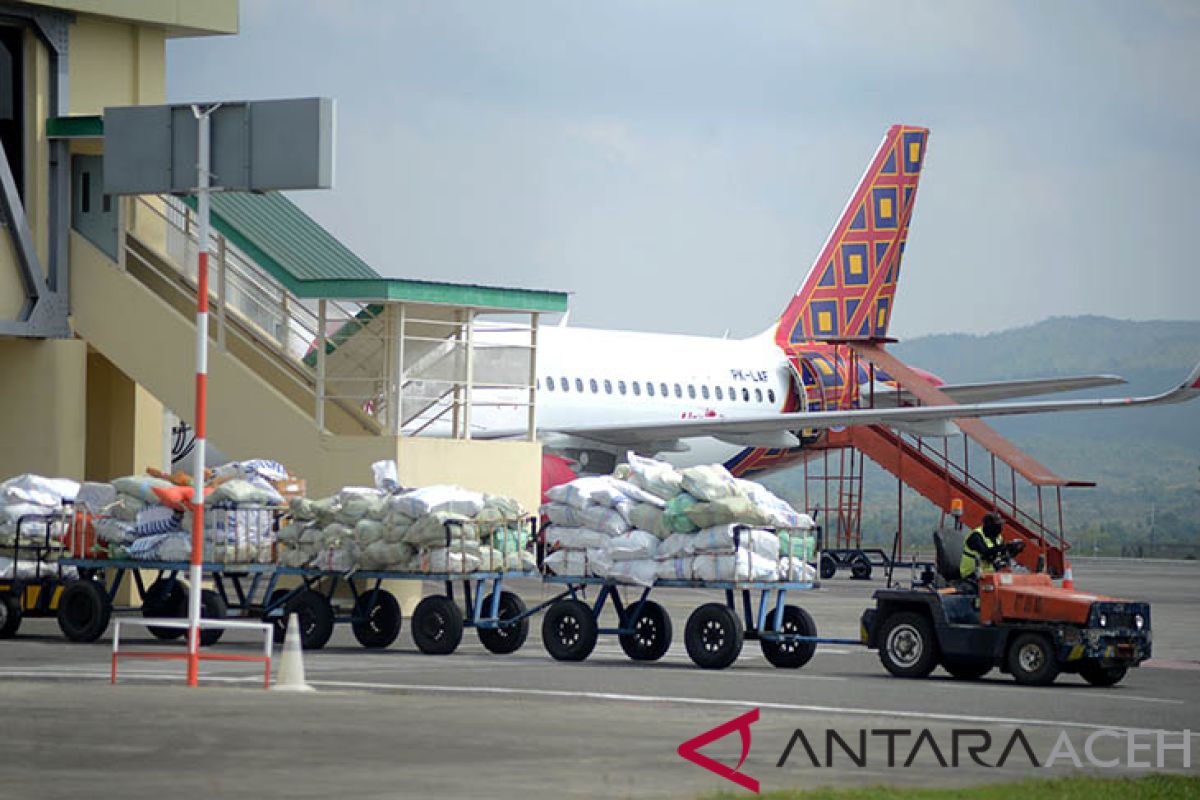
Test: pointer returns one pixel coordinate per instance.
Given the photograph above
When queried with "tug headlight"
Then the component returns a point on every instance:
(1103, 620)
(1139, 621)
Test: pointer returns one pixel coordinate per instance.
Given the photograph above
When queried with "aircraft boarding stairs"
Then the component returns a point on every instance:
(981, 468)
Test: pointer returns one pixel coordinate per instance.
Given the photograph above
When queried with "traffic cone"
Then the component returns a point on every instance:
(291, 662)
(1068, 580)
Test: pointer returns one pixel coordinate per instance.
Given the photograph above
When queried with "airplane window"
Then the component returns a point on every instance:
(678, 391)
(691, 392)
(579, 384)
(663, 387)
(562, 384)
(592, 384)
(704, 392)
(637, 389)
(771, 395)
(720, 393)
(550, 384)
(650, 388)
(621, 387)
(607, 386)
(537, 383)
(758, 395)
(732, 393)
(745, 395)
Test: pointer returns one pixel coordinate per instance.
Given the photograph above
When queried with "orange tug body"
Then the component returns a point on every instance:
(1012, 597)
(1021, 623)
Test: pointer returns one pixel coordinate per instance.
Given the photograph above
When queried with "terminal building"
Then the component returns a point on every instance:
(316, 360)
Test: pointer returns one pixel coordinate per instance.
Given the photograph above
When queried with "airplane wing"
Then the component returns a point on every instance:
(776, 426)
(994, 391)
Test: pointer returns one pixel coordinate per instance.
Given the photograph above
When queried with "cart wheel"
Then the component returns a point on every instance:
(793, 654)
(1097, 675)
(212, 606)
(437, 625)
(966, 669)
(713, 636)
(828, 566)
(1031, 660)
(860, 568)
(569, 630)
(908, 646)
(158, 602)
(83, 611)
(377, 625)
(10, 616)
(314, 615)
(651, 637)
(507, 638)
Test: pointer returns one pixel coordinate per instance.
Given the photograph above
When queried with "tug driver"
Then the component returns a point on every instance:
(984, 548)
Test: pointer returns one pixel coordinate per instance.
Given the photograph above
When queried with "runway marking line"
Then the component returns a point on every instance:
(623, 698)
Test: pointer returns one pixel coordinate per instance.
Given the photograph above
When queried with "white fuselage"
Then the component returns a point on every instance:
(603, 377)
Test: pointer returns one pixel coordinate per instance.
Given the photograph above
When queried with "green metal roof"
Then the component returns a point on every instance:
(310, 262)
(287, 237)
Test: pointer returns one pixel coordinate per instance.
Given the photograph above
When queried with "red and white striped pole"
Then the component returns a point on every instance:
(196, 574)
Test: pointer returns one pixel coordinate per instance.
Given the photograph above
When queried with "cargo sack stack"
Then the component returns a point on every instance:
(432, 529)
(28, 495)
(149, 518)
(649, 521)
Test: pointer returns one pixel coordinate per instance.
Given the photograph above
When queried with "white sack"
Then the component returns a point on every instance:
(36, 489)
(632, 546)
(574, 538)
(709, 482)
(744, 566)
(431, 499)
(635, 573)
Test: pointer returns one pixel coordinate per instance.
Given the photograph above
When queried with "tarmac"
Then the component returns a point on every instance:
(396, 723)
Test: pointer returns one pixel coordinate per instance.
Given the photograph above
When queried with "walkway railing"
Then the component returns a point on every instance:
(402, 368)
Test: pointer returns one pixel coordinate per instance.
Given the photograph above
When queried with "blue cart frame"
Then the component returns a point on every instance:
(437, 624)
(86, 605)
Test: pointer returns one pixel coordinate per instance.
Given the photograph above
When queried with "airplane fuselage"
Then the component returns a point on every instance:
(605, 377)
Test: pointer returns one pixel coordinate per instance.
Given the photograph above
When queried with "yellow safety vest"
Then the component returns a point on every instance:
(966, 566)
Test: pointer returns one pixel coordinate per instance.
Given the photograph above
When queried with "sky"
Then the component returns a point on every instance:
(676, 166)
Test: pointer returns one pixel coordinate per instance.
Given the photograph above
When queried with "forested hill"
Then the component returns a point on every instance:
(1146, 461)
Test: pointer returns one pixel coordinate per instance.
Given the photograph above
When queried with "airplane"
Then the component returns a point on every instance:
(756, 404)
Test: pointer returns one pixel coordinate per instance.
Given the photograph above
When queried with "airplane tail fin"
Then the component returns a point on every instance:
(851, 287)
